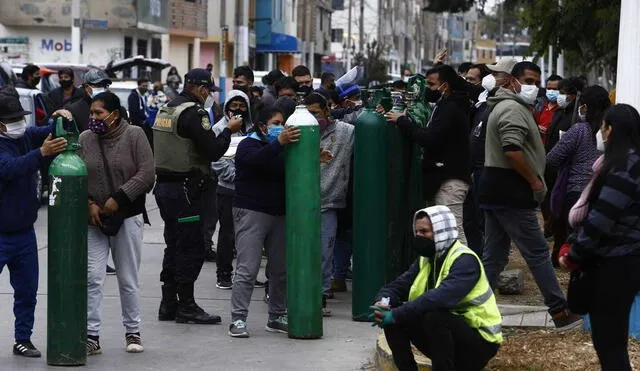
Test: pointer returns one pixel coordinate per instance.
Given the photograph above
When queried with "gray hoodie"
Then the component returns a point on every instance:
(334, 175)
(225, 168)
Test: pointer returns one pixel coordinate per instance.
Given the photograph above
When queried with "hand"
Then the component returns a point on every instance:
(393, 117)
(235, 124)
(325, 156)
(380, 109)
(110, 207)
(290, 134)
(52, 146)
(94, 214)
(440, 58)
(63, 113)
(382, 317)
(538, 191)
(382, 306)
(542, 129)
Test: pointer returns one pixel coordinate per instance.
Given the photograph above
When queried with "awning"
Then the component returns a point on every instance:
(280, 43)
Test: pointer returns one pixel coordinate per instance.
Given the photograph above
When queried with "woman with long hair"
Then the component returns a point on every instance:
(607, 243)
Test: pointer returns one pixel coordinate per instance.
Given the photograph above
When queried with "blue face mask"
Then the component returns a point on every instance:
(273, 132)
(552, 94)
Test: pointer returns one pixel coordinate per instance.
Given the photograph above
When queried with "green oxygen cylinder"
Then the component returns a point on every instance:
(369, 211)
(304, 253)
(67, 265)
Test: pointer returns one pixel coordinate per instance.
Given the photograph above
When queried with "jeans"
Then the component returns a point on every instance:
(328, 230)
(473, 216)
(19, 252)
(226, 237)
(253, 231)
(184, 254)
(126, 249)
(445, 338)
(452, 194)
(342, 254)
(617, 284)
(520, 226)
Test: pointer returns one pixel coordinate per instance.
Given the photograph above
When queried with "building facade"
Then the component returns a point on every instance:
(275, 28)
(314, 31)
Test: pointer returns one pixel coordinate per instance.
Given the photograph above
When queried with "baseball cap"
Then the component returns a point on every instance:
(201, 77)
(96, 77)
(503, 65)
(10, 107)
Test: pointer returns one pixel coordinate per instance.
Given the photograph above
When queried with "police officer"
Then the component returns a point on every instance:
(184, 147)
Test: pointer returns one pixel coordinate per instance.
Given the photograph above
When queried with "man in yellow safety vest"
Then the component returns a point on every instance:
(443, 304)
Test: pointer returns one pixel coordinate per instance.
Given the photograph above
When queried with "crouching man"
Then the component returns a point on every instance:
(443, 304)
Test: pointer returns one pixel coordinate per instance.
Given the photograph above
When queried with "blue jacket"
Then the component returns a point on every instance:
(260, 176)
(19, 162)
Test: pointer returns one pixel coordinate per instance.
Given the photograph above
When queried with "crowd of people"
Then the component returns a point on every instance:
(496, 149)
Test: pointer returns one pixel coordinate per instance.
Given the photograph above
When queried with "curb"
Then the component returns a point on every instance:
(384, 359)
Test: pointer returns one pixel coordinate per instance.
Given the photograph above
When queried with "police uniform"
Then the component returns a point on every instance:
(184, 147)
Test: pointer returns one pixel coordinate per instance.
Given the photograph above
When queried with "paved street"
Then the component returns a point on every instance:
(346, 345)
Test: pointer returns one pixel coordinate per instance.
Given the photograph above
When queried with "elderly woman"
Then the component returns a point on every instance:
(121, 171)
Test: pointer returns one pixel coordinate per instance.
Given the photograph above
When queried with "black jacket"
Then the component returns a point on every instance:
(57, 101)
(562, 120)
(137, 114)
(80, 111)
(445, 142)
(194, 124)
(479, 134)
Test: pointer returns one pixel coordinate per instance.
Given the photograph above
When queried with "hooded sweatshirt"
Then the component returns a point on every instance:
(334, 175)
(462, 277)
(510, 127)
(225, 168)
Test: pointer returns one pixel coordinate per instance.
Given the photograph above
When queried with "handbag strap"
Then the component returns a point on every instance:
(107, 169)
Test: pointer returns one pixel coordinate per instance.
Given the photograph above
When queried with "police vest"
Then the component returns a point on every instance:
(478, 309)
(173, 153)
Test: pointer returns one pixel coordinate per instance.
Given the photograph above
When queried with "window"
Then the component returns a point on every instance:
(337, 35)
(466, 26)
(321, 15)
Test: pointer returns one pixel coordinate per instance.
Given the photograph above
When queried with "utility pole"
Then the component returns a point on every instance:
(224, 39)
(501, 28)
(348, 51)
(76, 31)
(361, 26)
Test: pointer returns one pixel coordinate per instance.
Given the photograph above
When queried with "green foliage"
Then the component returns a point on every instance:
(375, 65)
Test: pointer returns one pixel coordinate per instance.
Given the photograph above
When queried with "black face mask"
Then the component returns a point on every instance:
(66, 83)
(303, 91)
(424, 246)
(35, 81)
(243, 89)
(432, 96)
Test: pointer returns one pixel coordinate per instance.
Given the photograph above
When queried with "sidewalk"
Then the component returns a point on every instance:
(346, 345)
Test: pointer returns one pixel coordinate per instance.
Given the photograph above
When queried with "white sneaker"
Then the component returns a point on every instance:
(134, 343)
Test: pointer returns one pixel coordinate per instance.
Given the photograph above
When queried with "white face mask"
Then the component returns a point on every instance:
(489, 82)
(528, 93)
(15, 130)
(600, 141)
(95, 91)
(209, 102)
(562, 101)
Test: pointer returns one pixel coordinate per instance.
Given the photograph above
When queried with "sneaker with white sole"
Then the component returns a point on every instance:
(238, 329)
(280, 324)
(134, 342)
(26, 349)
(93, 345)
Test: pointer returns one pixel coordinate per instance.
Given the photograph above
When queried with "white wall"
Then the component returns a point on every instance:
(179, 53)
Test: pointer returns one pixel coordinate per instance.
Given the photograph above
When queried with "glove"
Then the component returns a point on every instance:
(387, 316)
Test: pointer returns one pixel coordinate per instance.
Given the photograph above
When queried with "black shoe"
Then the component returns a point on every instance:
(93, 345)
(191, 313)
(211, 255)
(224, 284)
(110, 270)
(566, 321)
(258, 284)
(26, 349)
(169, 303)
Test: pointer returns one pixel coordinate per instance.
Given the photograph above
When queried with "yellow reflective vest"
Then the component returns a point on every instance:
(478, 309)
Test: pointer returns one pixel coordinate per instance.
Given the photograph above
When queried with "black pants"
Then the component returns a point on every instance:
(184, 254)
(617, 284)
(226, 236)
(443, 337)
(209, 217)
(473, 216)
(561, 227)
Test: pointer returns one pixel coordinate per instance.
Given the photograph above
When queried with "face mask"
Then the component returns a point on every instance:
(552, 94)
(406, 78)
(243, 89)
(144, 90)
(304, 90)
(237, 112)
(529, 93)
(96, 91)
(424, 246)
(15, 130)
(600, 141)
(209, 102)
(432, 96)
(489, 82)
(562, 101)
(65, 84)
(273, 132)
(35, 81)
(99, 126)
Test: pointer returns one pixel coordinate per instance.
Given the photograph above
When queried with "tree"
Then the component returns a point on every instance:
(375, 66)
(585, 30)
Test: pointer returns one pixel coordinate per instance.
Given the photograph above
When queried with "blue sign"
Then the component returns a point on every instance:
(95, 24)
